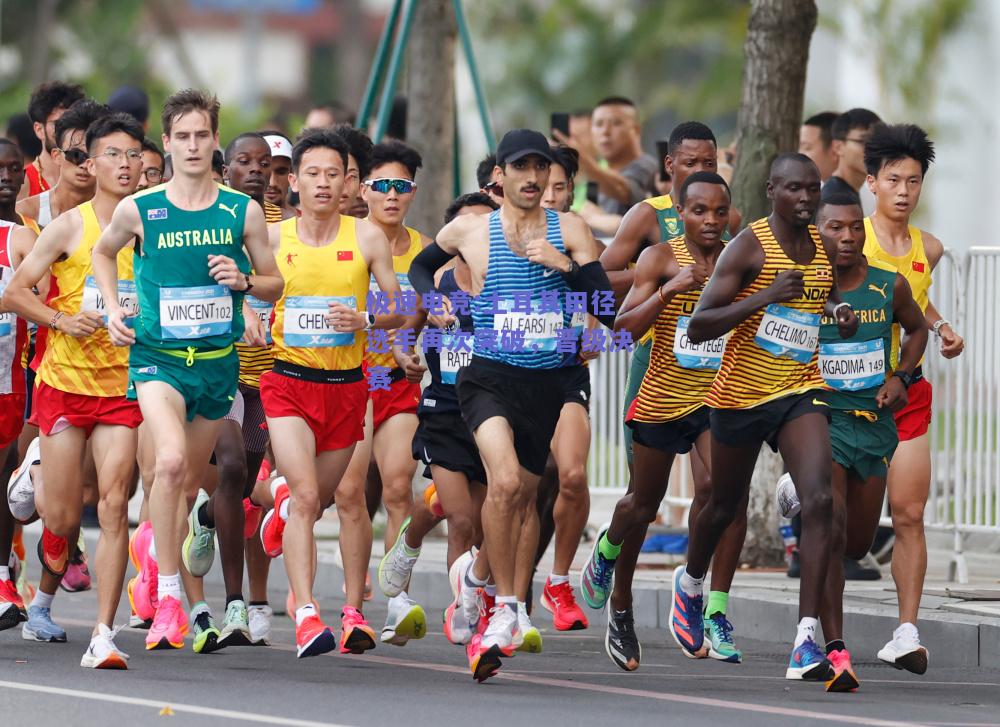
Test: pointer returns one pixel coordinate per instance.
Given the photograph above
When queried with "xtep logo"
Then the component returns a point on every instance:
(288, 258)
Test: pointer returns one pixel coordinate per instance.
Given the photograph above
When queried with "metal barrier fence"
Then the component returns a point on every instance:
(964, 496)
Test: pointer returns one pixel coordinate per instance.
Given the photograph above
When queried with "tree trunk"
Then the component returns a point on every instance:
(774, 78)
(353, 52)
(430, 119)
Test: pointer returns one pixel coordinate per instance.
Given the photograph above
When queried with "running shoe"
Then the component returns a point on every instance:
(41, 627)
(102, 653)
(620, 641)
(395, 567)
(595, 578)
(559, 600)
(808, 662)
(142, 590)
(11, 605)
(405, 620)
(463, 616)
(486, 603)
(458, 568)
(843, 678)
(24, 588)
(259, 619)
(53, 552)
(788, 499)
(20, 489)
(357, 636)
(272, 528)
(198, 550)
(719, 633)
(686, 622)
(482, 664)
(905, 651)
(169, 625)
(206, 633)
(235, 626)
(77, 576)
(252, 515)
(527, 638)
(138, 544)
(313, 637)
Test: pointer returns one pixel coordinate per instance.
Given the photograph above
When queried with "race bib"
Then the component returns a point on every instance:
(541, 330)
(264, 311)
(853, 366)
(705, 355)
(94, 301)
(196, 312)
(788, 333)
(6, 318)
(305, 324)
(452, 358)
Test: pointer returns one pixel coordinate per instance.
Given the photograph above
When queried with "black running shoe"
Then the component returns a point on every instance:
(620, 640)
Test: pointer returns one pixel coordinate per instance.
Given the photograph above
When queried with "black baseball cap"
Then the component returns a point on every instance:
(131, 100)
(519, 143)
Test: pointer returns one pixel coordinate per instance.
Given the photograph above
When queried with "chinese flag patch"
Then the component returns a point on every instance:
(345, 255)
(918, 266)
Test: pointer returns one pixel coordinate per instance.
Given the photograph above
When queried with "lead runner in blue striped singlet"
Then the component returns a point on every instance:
(511, 399)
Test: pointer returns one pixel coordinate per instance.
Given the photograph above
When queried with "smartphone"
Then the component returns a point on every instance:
(559, 122)
(592, 192)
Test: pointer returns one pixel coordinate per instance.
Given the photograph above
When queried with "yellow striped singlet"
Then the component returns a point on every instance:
(401, 266)
(679, 373)
(315, 277)
(751, 374)
(913, 266)
(92, 366)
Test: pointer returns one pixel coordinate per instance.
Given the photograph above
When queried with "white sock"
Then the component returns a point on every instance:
(509, 601)
(471, 581)
(691, 586)
(807, 630)
(522, 607)
(276, 483)
(4, 573)
(556, 580)
(42, 600)
(301, 614)
(168, 586)
(283, 510)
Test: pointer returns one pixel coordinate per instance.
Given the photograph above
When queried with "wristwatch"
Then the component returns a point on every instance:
(246, 277)
(369, 320)
(574, 269)
(906, 378)
(938, 325)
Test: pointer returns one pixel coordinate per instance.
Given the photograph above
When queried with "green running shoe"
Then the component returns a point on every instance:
(719, 634)
(596, 577)
(198, 550)
(235, 626)
(206, 635)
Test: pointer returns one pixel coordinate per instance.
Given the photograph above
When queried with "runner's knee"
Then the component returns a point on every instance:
(171, 468)
(908, 515)
(573, 484)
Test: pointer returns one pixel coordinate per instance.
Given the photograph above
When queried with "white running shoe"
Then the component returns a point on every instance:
(527, 637)
(405, 620)
(458, 568)
(788, 498)
(102, 652)
(396, 566)
(905, 651)
(20, 489)
(502, 631)
(259, 618)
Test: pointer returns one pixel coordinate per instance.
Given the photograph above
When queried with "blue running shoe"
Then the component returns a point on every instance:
(687, 624)
(808, 662)
(41, 627)
(595, 579)
(719, 632)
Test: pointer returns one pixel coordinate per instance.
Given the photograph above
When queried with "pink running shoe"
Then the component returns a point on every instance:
(357, 636)
(252, 515)
(77, 575)
(142, 589)
(272, 529)
(169, 626)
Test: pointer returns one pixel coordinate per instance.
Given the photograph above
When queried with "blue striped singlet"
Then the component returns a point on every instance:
(502, 304)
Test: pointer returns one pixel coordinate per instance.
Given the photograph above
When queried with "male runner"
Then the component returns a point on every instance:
(511, 399)
(191, 275)
(897, 159)
(12, 173)
(442, 442)
(850, 132)
(865, 393)
(389, 190)
(75, 185)
(281, 164)
(241, 444)
(47, 103)
(152, 165)
(82, 378)
(316, 396)
(669, 417)
(358, 167)
(770, 287)
(816, 142)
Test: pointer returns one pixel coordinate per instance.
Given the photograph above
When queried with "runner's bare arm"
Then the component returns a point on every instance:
(952, 344)
(892, 394)
(22, 239)
(266, 280)
(56, 240)
(377, 253)
(446, 245)
(638, 226)
(125, 226)
(656, 283)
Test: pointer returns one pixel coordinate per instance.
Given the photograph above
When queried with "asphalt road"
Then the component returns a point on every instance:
(427, 683)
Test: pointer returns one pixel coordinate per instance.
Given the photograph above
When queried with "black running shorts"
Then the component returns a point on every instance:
(762, 423)
(674, 437)
(443, 439)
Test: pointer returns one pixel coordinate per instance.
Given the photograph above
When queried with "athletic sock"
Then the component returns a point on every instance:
(807, 630)
(491, 590)
(4, 573)
(717, 603)
(407, 550)
(691, 586)
(301, 614)
(203, 516)
(522, 607)
(835, 645)
(283, 510)
(471, 581)
(608, 549)
(509, 601)
(169, 586)
(555, 580)
(233, 597)
(199, 608)
(42, 600)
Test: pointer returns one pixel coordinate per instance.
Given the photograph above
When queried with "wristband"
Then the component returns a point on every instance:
(55, 318)
(369, 320)
(938, 325)
(246, 277)
(659, 292)
(906, 378)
